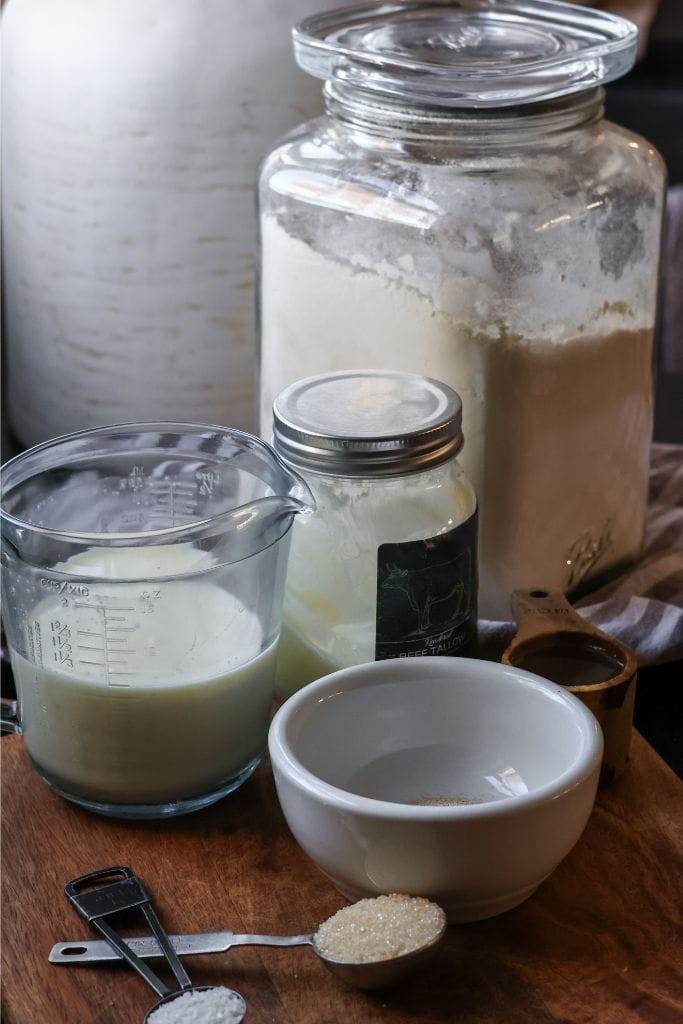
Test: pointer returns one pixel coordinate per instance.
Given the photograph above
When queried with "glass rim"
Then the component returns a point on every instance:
(172, 534)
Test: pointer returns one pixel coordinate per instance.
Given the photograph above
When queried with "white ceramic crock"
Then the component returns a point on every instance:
(503, 728)
(131, 136)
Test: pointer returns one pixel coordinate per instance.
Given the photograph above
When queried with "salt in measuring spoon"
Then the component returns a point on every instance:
(109, 891)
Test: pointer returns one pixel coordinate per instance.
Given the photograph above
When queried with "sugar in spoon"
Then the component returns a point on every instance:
(375, 974)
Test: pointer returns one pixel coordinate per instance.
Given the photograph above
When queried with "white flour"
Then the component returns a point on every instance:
(556, 427)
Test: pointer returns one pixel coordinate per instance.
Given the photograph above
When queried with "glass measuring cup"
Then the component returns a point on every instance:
(143, 573)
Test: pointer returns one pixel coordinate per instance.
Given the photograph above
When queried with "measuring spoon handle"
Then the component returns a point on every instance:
(109, 891)
(97, 952)
(272, 940)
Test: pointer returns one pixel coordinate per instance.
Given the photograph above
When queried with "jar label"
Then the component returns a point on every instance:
(427, 595)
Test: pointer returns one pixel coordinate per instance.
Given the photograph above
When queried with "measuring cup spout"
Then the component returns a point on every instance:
(266, 519)
(293, 498)
(299, 497)
(253, 526)
(258, 524)
(282, 507)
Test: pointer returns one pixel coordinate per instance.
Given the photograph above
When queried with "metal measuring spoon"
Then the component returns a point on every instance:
(239, 1005)
(122, 890)
(381, 973)
(376, 974)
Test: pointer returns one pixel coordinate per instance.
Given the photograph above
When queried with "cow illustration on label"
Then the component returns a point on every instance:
(427, 595)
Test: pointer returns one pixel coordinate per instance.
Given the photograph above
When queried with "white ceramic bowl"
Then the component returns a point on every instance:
(351, 752)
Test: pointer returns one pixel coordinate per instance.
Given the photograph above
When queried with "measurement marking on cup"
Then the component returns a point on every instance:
(114, 646)
(174, 499)
(105, 608)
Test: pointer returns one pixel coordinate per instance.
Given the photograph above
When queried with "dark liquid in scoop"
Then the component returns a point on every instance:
(572, 664)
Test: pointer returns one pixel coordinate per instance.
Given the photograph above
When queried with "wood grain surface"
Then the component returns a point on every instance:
(599, 942)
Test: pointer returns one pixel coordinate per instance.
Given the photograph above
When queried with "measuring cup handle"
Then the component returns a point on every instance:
(9, 718)
(9, 709)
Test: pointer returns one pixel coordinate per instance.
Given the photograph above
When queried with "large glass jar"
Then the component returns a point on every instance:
(463, 211)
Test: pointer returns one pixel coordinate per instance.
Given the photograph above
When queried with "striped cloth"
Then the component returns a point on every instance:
(643, 608)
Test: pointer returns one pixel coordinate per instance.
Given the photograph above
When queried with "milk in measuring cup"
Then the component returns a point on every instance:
(155, 695)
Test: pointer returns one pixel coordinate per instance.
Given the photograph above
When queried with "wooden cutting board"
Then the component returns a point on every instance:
(600, 941)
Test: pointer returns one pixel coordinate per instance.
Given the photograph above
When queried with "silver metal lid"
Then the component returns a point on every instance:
(367, 423)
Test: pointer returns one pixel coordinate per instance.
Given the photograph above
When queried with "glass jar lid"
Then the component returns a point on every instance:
(467, 53)
(367, 423)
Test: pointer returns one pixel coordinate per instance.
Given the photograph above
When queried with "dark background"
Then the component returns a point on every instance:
(649, 101)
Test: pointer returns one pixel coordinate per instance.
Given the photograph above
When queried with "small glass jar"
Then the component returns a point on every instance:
(387, 565)
(464, 211)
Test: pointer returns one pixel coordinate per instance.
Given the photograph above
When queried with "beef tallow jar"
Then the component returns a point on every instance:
(387, 565)
(464, 211)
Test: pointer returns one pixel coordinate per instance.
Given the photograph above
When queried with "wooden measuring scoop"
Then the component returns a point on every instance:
(555, 642)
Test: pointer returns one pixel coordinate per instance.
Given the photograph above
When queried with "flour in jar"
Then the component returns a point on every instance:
(557, 426)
